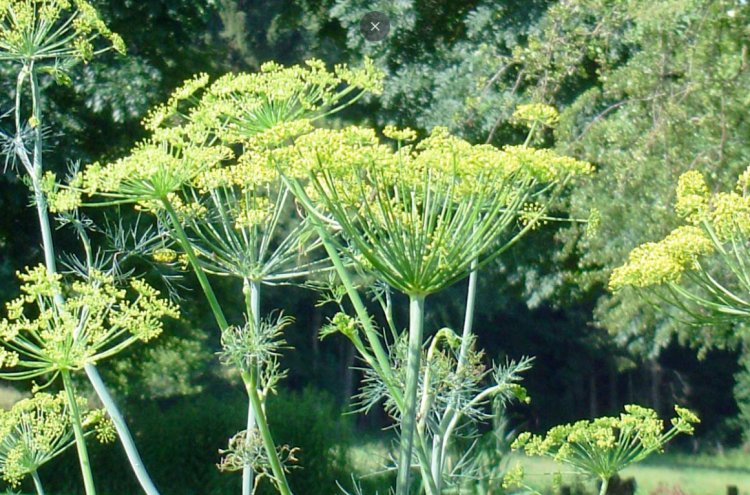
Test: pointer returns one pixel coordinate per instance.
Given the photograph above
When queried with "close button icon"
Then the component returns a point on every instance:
(375, 26)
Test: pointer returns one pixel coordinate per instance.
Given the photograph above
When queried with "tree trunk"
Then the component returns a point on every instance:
(316, 323)
(656, 376)
(593, 409)
(614, 396)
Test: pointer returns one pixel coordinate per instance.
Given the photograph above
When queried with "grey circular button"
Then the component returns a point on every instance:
(375, 26)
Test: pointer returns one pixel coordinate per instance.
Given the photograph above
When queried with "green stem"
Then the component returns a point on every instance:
(190, 252)
(123, 432)
(471, 298)
(36, 170)
(381, 364)
(445, 429)
(408, 417)
(252, 303)
(530, 135)
(251, 385)
(37, 483)
(75, 416)
(249, 378)
(603, 489)
(36, 177)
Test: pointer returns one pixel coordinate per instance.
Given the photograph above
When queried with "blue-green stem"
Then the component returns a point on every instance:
(75, 419)
(36, 169)
(466, 333)
(251, 289)
(248, 377)
(37, 483)
(36, 179)
(123, 432)
(409, 413)
(444, 431)
(251, 385)
(380, 363)
(603, 488)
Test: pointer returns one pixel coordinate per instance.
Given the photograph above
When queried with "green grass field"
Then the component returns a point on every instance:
(667, 474)
(693, 475)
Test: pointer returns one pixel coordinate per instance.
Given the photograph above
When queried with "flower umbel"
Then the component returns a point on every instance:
(36, 430)
(419, 214)
(97, 321)
(604, 446)
(656, 263)
(53, 30)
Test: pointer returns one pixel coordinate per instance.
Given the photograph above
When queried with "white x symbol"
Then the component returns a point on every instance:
(374, 26)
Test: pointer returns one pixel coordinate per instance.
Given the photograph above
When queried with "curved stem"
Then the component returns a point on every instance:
(408, 418)
(249, 378)
(123, 432)
(450, 419)
(37, 483)
(75, 417)
(92, 373)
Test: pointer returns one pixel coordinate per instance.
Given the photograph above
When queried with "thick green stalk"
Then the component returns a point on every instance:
(37, 483)
(249, 378)
(123, 432)
(49, 258)
(603, 489)
(251, 385)
(381, 363)
(252, 303)
(75, 416)
(409, 414)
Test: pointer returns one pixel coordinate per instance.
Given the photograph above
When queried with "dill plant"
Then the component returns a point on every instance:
(36, 430)
(420, 216)
(207, 175)
(222, 170)
(603, 447)
(62, 324)
(701, 267)
(700, 270)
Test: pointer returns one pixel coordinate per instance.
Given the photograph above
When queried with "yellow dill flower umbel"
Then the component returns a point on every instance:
(38, 429)
(402, 209)
(98, 320)
(51, 30)
(692, 197)
(604, 446)
(536, 113)
(656, 263)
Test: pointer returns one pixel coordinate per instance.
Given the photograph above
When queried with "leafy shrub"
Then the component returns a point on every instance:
(180, 441)
(311, 421)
